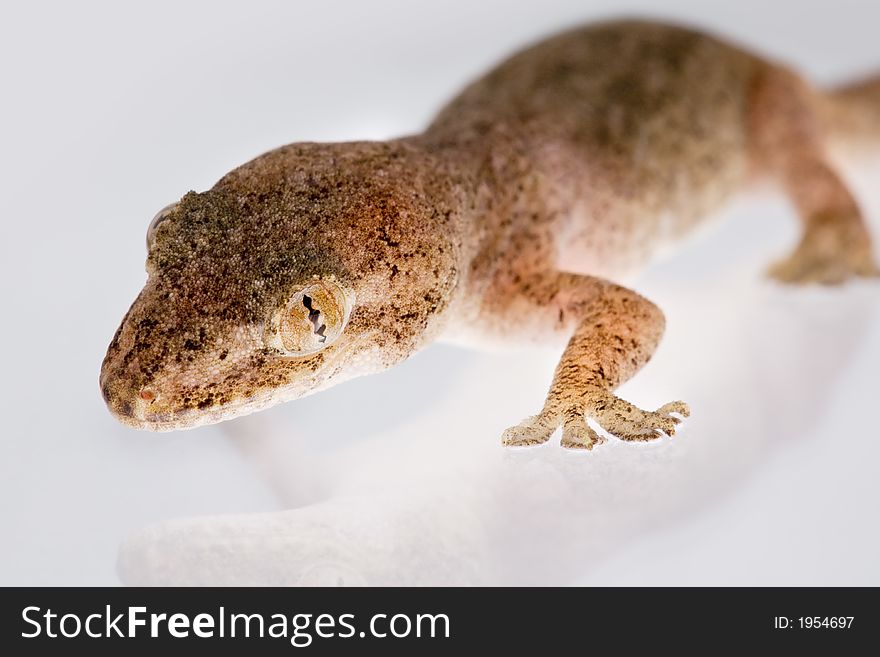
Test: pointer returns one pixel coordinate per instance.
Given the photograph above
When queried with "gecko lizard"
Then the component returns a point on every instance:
(510, 218)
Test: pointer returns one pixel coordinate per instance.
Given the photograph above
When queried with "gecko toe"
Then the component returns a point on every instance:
(677, 407)
(534, 430)
(577, 434)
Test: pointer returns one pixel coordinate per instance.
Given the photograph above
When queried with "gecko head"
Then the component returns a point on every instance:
(228, 322)
(255, 297)
(233, 318)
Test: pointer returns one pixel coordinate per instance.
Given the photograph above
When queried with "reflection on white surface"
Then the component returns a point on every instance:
(113, 111)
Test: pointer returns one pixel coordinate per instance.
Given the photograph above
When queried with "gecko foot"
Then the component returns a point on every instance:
(830, 253)
(615, 415)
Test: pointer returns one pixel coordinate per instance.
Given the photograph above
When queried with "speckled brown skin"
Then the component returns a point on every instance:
(565, 167)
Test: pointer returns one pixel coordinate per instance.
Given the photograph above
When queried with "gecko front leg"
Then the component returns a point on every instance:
(615, 332)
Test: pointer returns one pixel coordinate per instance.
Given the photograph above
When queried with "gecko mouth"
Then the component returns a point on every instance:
(131, 405)
(136, 414)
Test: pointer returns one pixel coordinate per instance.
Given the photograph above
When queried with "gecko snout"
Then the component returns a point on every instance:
(131, 397)
(129, 403)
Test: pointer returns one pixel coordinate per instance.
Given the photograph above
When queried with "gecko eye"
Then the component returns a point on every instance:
(310, 320)
(161, 216)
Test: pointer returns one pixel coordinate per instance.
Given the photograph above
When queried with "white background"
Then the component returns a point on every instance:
(109, 112)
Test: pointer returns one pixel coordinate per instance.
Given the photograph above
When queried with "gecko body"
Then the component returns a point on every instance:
(509, 218)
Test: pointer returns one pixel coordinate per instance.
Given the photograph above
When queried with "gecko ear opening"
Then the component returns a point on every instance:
(311, 319)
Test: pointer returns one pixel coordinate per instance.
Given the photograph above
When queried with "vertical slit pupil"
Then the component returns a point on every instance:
(314, 318)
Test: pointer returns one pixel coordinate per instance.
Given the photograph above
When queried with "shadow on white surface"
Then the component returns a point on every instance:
(444, 504)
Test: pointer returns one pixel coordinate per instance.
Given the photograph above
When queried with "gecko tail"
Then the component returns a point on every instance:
(851, 113)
